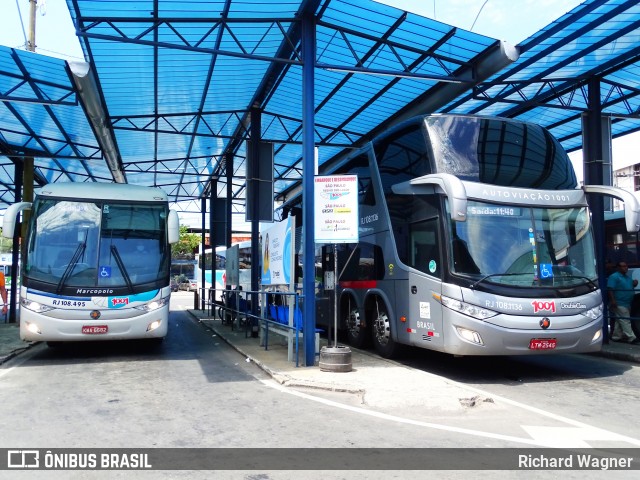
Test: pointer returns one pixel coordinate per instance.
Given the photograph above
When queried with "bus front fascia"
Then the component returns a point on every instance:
(10, 216)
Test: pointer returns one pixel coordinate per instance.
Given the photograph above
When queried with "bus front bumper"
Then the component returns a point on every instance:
(39, 327)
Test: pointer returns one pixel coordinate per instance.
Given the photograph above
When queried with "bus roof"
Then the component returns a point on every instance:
(102, 191)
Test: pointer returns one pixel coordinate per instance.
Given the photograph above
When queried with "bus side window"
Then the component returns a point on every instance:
(424, 254)
(425, 247)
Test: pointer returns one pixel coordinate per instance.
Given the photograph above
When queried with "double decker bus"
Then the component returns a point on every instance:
(97, 262)
(475, 239)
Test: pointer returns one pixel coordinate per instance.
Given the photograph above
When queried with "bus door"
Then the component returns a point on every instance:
(424, 323)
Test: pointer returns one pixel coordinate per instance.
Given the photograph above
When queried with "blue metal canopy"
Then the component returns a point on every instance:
(596, 46)
(166, 95)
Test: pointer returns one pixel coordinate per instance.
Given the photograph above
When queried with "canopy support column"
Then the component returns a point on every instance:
(308, 172)
(596, 148)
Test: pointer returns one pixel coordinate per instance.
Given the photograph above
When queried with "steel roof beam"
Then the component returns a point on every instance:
(422, 57)
(492, 60)
(221, 25)
(40, 95)
(600, 19)
(393, 46)
(36, 138)
(6, 150)
(288, 48)
(83, 77)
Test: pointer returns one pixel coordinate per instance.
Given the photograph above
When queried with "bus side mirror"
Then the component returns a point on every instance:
(631, 204)
(10, 216)
(173, 227)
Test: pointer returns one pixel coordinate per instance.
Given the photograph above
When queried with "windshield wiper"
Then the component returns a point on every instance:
(588, 280)
(72, 263)
(120, 263)
(475, 284)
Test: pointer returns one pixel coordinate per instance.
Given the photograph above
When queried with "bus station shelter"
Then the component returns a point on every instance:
(185, 95)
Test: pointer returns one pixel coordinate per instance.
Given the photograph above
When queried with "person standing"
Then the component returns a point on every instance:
(620, 285)
(3, 294)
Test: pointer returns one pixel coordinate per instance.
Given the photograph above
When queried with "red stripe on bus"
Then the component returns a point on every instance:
(356, 284)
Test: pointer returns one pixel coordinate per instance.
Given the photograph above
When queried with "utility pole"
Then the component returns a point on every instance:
(31, 44)
(28, 162)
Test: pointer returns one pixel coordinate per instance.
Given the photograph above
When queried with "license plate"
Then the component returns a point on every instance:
(542, 344)
(95, 329)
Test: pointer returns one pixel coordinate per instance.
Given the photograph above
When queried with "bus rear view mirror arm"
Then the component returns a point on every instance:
(631, 205)
(10, 215)
(450, 184)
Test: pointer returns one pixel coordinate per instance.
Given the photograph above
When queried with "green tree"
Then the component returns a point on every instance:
(6, 244)
(187, 246)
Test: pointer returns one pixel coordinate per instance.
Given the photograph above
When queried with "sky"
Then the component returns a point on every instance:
(509, 20)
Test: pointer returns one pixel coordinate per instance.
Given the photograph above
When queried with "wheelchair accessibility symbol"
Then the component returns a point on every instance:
(546, 270)
(105, 272)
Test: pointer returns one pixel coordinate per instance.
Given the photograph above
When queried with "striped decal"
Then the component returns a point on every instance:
(359, 284)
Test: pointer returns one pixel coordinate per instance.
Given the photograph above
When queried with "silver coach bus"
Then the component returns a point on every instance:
(474, 240)
(97, 262)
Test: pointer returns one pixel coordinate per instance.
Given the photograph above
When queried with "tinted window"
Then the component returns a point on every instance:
(500, 152)
(402, 156)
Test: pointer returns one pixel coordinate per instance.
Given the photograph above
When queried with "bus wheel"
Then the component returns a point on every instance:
(381, 328)
(357, 333)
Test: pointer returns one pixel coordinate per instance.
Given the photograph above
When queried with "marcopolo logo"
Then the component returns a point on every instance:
(540, 306)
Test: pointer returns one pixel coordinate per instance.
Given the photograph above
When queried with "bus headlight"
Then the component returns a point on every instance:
(596, 336)
(594, 313)
(470, 335)
(34, 306)
(156, 304)
(33, 328)
(467, 308)
(153, 325)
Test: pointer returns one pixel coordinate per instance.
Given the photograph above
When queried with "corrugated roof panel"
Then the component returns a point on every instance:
(136, 146)
(182, 77)
(157, 86)
(233, 84)
(597, 38)
(126, 77)
(44, 69)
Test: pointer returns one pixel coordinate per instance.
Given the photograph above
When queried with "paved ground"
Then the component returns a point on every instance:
(369, 372)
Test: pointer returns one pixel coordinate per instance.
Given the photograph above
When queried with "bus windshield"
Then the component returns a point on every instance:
(523, 246)
(74, 244)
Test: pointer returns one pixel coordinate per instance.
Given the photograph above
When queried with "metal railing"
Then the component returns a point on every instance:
(279, 310)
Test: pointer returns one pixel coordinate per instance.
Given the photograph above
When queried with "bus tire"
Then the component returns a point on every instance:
(358, 334)
(383, 340)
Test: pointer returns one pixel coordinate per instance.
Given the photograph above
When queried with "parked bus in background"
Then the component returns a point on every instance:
(206, 263)
(474, 240)
(621, 245)
(183, 272)
(97, 262)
